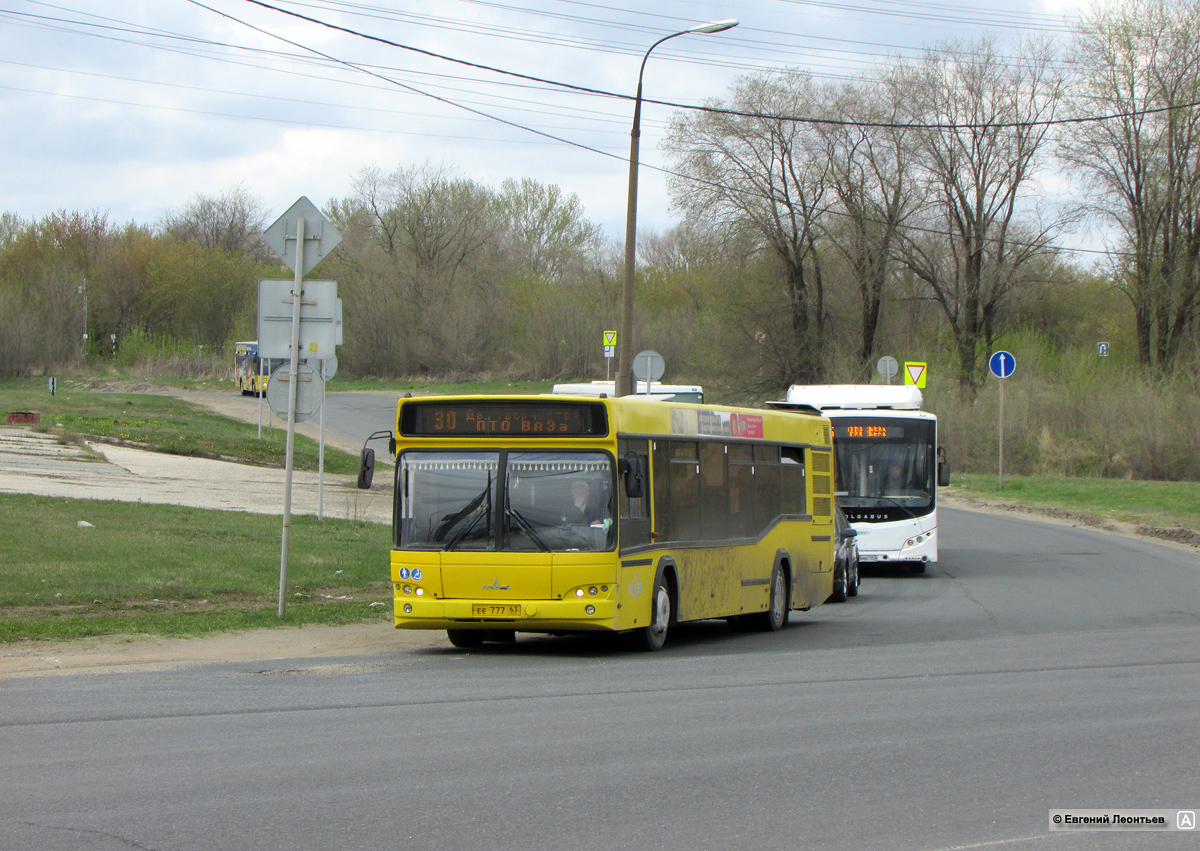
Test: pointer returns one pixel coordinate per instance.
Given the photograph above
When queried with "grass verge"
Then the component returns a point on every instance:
(337, 384)
(1150, 504)
(176, 571)
(161, 424)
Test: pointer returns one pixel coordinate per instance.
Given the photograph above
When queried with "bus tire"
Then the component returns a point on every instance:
(775, 617)
(653, 636)
(465, 639)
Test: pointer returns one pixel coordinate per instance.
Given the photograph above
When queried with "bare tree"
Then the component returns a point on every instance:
(762, 175)
(1140, 66)
(871, 171)
(421, 244)
(232, 221)
(979, 124)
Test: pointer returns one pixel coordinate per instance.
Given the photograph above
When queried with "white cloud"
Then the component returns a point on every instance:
(139, 115)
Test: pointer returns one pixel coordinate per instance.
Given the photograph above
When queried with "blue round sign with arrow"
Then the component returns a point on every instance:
(1002, 364)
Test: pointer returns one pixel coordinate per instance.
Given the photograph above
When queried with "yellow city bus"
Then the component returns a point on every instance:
(250, 372)
(558, 514)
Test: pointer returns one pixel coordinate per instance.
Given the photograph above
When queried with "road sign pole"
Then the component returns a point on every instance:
(307, 252)
(261, 395)
(1001, 468)
(321, 456)
(293, 383)
(1002, 364)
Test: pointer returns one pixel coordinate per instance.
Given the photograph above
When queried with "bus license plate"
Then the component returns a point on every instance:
(496, 610)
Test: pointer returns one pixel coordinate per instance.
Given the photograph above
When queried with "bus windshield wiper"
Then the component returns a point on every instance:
(469, 512)
(467, 528)
(528, 529)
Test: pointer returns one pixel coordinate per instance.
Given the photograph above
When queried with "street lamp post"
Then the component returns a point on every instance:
(625, 335)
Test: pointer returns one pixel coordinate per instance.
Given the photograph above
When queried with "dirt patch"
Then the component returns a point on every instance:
(141, 653)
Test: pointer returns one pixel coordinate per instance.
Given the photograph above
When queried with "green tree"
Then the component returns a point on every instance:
(44, 269)
(195, 292)
(544, 232)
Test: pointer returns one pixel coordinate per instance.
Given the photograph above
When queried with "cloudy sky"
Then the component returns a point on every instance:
(134, 107)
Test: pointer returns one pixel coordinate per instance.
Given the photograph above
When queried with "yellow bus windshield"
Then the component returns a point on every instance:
(508, 501)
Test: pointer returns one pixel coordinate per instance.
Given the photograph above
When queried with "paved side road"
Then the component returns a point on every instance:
(36, 463)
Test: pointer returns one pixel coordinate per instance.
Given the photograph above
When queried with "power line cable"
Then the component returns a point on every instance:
(412, 89)
(709, 108)
(832, 122)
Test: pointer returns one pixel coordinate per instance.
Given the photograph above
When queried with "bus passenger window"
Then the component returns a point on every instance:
(685, 492)
(741, 492)
(661, 477)
(767, 491)
(714, 492)
(792, 471)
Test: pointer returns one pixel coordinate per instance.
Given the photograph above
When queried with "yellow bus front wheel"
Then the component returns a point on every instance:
(654, 635)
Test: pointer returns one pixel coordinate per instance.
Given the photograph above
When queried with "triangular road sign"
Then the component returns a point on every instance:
(914, 373)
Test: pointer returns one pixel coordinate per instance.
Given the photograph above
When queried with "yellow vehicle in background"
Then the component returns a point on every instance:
(561, 514)
(252, 373)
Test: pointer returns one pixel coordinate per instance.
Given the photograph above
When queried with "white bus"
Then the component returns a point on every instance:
(888, 467)
(608, 389)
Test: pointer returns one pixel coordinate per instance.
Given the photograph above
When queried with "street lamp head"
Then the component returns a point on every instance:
(715, 26)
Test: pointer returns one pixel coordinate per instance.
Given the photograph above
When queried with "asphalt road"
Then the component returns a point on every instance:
(355, 416)
(1037, 666)
(350, 417)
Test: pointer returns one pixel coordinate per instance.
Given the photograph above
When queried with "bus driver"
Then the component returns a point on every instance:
(582, 510)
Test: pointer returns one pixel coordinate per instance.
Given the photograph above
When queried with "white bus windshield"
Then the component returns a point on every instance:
(885, 464)
(513, 501)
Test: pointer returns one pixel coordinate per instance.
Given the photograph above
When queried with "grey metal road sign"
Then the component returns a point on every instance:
(320, 237)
